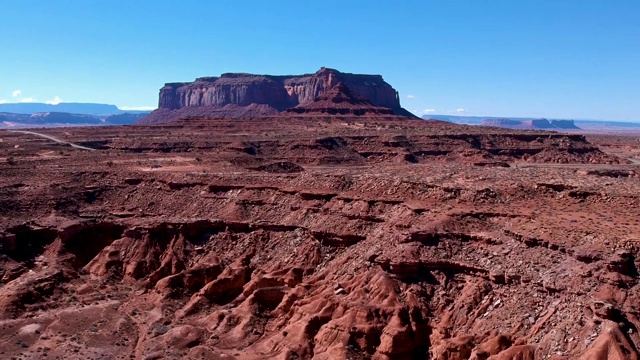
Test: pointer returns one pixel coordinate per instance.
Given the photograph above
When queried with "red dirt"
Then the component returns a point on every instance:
(331, 238)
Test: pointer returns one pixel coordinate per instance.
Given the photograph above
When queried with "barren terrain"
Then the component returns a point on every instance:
(323, 238)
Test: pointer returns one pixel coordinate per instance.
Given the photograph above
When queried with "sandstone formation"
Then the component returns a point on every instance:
(248, 95)
(340, 100)
(345, 237)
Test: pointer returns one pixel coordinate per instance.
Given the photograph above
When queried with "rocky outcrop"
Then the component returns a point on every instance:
(266, 94)
(340, 100)
(316, 238)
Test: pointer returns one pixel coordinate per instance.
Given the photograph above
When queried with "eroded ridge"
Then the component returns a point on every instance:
(332, 240)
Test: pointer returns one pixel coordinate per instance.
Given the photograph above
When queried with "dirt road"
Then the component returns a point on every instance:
(53, 138)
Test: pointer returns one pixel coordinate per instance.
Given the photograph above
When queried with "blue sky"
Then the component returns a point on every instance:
(545, 58)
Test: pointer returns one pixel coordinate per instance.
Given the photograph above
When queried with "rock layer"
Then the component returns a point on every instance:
(340, 100)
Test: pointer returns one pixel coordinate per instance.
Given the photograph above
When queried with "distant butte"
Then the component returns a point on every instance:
(239, 95)
(531, 124)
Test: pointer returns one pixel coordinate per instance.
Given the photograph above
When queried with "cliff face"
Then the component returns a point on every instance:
(235, 89)
(206, 96)
(340, 100)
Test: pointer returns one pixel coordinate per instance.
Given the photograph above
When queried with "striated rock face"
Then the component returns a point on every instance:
(340, 100)
(206, 96)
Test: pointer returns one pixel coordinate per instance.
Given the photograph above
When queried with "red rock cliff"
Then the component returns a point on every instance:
(227, 95)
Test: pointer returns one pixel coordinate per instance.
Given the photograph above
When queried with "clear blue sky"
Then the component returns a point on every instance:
(542, 58)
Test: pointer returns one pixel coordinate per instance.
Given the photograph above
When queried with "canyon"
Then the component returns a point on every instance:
(316, 236)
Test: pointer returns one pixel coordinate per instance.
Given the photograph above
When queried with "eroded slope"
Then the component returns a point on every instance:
(325, 240)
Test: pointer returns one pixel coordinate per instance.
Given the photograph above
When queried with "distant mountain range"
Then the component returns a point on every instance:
(532, 123)
(72, 108)
(22, 115)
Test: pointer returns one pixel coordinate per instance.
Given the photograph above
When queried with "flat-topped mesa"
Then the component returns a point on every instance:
(564, 124)
(537, 124)
(340, 100)
(228, 95)
(501, 122)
